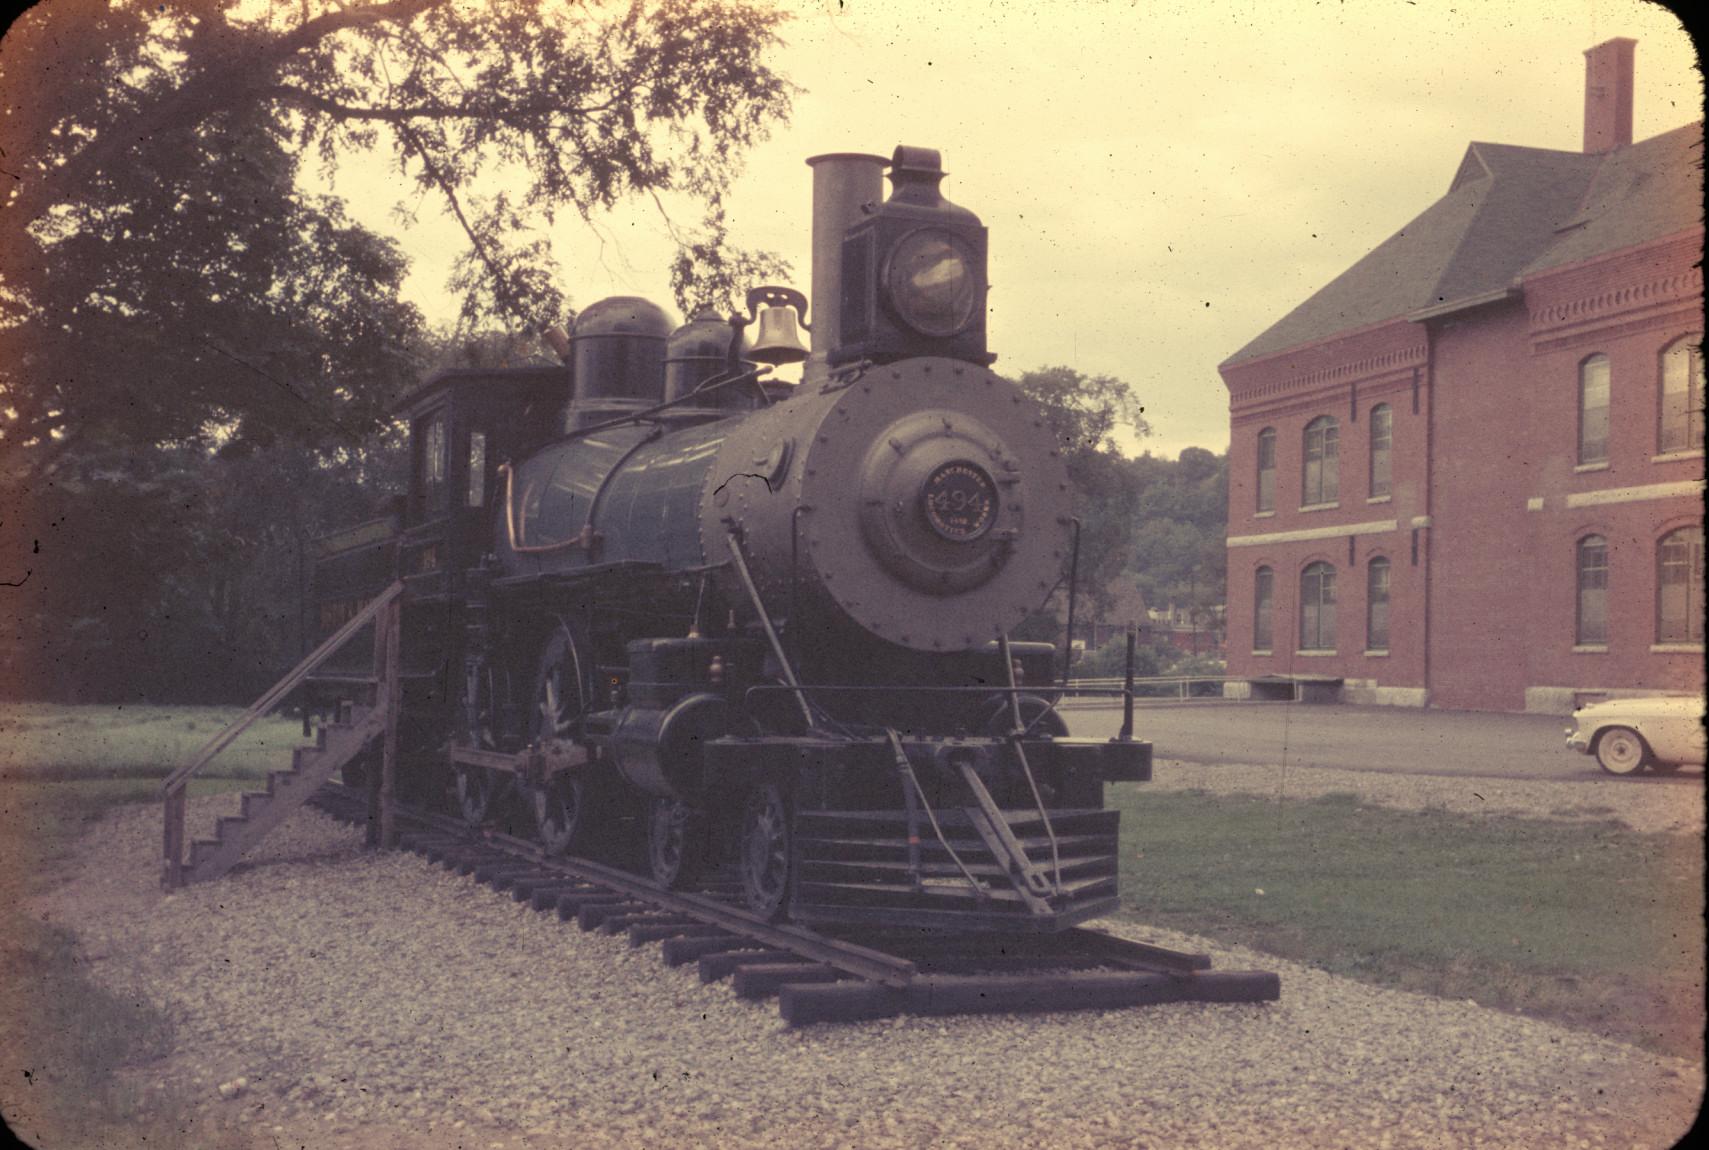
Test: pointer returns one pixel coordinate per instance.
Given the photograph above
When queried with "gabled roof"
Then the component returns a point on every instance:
(1508, 213)
(1652, 189)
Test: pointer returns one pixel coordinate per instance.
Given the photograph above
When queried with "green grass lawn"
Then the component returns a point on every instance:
(46, 741)
(1588, 924)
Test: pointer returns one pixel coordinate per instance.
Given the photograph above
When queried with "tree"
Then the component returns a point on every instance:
(181, 320)
(1177, 552)
(1085, 413)
(163, 269)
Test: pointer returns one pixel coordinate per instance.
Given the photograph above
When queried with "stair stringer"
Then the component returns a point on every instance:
(234, 836)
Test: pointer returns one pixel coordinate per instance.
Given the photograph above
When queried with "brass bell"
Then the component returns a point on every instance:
(778, 340)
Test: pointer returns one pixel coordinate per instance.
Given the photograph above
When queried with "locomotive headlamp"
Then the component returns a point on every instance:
(913, 273)
(930, 282)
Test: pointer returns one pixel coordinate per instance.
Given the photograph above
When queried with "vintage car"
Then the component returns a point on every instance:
(1661, 732)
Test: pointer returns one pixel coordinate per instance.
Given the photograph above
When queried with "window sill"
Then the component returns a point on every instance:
(1590, 649)
(1263, 515)
(1315, 654)
(1673, 456)
(1320, 506)
(1677, 648)
(1583, 467)
(1380, 499)
(1377, 653)
(1265, 652)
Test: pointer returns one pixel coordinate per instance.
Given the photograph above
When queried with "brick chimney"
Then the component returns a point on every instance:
(1608, 95)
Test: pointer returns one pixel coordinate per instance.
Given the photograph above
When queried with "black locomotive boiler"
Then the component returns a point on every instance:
(655, 595)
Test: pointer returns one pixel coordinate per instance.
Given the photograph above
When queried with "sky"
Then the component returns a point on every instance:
(1161, 181)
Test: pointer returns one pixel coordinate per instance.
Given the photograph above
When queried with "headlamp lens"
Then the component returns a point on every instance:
(931, 282)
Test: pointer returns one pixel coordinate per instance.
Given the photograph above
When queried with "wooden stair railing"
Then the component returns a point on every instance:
(379, 718)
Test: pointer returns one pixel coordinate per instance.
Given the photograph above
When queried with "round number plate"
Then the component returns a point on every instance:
(960, 501)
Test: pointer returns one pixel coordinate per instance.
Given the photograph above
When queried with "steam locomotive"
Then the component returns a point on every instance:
(657, 596)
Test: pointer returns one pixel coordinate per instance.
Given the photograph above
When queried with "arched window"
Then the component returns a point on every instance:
(1592, 613)
(1593, 410)
(1263, 595)
(1382, 441)
(1681, 425)
(1317, 608)
(1679, 586)
(1321, 479)
(1267, 469)
(1377, 605)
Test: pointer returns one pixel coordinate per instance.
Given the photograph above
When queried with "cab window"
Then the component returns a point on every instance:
(430, 464)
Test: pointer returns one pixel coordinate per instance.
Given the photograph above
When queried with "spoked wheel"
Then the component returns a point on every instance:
(765, 850)
(558, 810)
(485, 687)
(560, 700)
(560, 689)
(1621, 751)
(674, 842)
(477, 787)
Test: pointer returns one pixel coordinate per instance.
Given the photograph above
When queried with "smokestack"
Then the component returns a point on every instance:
(843, 183)
(1608, 95)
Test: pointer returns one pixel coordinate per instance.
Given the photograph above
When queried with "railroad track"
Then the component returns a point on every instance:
(819, 977)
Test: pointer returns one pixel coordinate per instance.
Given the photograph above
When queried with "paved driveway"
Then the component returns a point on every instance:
(1393, 739)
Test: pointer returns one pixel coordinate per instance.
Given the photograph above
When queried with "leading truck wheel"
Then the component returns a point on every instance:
(765, 847)
(558, 809)
(674, 846)
(476, 787)
(1621, 751)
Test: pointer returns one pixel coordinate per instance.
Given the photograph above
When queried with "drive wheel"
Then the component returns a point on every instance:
(765, 850)
(674, 842)
(485, 688)
(476, 789)
(1621, 751)
(558, 812)
(560, 689)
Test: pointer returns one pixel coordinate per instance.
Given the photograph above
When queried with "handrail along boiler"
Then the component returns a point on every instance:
(655, 595)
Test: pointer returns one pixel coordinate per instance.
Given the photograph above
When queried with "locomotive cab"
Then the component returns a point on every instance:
(463, 424)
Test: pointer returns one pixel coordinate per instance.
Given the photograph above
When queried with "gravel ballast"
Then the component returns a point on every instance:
(344, 998)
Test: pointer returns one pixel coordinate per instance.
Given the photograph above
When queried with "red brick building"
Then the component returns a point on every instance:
(1468, 472)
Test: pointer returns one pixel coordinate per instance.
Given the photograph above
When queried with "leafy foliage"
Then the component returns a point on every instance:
(1178, 547)
(196, 348)
(1086, 412)
(163, 269)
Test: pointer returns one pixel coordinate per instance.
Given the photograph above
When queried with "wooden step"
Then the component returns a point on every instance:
(335, 745)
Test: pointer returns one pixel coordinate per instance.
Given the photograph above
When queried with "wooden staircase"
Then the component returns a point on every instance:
(336, 744)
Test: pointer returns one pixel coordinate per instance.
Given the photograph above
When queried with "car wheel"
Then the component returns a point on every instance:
(1621, 751)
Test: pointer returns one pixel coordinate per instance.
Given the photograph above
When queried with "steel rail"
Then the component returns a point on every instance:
(836, 979)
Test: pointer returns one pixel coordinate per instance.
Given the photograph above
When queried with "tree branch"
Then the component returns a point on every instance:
(188, 105)
(501, 287)
(512, 114)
